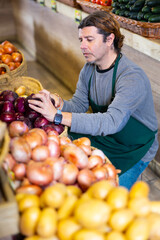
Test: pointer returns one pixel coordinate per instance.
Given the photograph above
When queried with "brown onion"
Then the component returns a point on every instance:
(53, 137)
(33, 139)
(54, 148)
(99, 152)
(39, 173)
(17, 128)
(42, 133)
(86, 149)
(111, 170)
(86, 178)
(17, 57)
(29, 189)
(95, 161)
(20, 149)
(40, 153)
(69, 174)
(64, 140)
(57, 165)
(75, 155)
(9, 48)
(6, 58)
(19, 171)
(100, 173)
(83, 140)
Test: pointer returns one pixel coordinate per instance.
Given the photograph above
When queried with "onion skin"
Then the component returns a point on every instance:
(76, 156)
(86, 149)
(20, 171)
(7, 117)
(99, 152)
(69, 174)
(8, 107)
(8, 163)
(17, 128)
(20, 149)
(40, 122)
(86, 178)
(40, 153)
(29, 189)
(54, 138)
(39, 173)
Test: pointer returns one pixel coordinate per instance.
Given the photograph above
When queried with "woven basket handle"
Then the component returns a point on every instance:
(5, 78)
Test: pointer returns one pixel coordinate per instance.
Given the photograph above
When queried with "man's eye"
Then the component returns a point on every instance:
(89, 40)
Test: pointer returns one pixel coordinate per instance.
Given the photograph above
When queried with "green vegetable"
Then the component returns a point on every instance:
(155, 9)
(154, 18)
(152, 3)
(146, 9)
(140, 16)
(147, 15)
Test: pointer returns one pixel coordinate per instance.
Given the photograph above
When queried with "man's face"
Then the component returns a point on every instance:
(92, 45)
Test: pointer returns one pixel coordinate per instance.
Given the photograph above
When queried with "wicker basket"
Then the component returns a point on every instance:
(89, 7)
(32, 85)
(145, 29)
(71, 3)
(4, 142)
(20, 71)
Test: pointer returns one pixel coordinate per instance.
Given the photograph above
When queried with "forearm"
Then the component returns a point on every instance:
(66, 119)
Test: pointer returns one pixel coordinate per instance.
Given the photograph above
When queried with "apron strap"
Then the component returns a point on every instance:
(114, 77)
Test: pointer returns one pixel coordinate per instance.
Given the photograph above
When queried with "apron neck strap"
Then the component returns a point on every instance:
(114, 75)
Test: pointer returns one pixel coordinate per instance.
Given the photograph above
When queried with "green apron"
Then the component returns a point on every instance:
(126, 147)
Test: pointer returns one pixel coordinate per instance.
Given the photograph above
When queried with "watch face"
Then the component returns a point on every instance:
(58, 118)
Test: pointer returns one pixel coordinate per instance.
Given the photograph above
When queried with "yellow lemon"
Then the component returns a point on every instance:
(138, 229)
(140, 206)
(66, 228)
(54, 196)
(100, 189)
(28, 201)
(73, 190)
(118, 197)
(29, 220)
(67, 207)
(92, 213)
(86, 234)
(47, 223)
(120, 219)
(139, 189)
(115, 235)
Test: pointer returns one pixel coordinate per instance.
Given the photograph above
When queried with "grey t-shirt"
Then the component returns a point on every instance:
(133, 97)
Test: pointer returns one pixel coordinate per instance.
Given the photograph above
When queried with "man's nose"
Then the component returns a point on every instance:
(83, 45)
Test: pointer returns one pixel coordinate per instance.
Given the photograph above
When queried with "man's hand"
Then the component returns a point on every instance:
(45, 106)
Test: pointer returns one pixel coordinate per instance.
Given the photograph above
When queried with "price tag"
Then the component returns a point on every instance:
(54, 5)
(78, 16)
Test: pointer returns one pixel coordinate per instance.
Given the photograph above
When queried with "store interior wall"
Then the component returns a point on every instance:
(52, 39)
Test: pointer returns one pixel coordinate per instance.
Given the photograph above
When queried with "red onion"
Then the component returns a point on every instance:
(8, 107)
(40, 122)
(59, 128)
(19, 104)
(7, 117)
(19, 116)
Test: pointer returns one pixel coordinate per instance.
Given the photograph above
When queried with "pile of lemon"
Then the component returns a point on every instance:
(103, 212)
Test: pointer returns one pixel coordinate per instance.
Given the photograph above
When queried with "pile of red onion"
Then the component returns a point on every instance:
(13, 107)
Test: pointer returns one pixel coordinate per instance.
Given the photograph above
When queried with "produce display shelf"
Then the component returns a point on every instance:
(145, 29)
(89, 7)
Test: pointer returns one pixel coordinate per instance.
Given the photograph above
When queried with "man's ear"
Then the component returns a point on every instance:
(110, 39)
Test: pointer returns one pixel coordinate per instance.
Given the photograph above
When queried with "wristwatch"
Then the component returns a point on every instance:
(58, 117)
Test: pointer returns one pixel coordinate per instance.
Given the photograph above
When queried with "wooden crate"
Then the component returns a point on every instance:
(9, 216)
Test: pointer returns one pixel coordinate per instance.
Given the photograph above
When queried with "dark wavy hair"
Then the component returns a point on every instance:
(106, 24)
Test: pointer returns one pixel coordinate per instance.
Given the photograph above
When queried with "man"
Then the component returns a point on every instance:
(123, 123)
